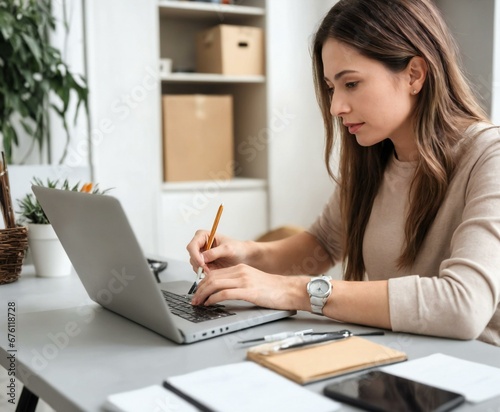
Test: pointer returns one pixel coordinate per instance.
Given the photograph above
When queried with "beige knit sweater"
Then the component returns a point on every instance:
(453, 289)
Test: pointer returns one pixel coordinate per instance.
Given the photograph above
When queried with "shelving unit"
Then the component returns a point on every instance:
(238, 183)
(209, 78)
(198, 10)
(188, 206)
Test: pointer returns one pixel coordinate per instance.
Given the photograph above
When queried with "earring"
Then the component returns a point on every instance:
(414, 91)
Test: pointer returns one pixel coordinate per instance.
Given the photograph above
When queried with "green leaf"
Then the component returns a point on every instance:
(7, 144)
(27, 128)
(11, 135)
(17, 44)
(6, 24)
(59, 111)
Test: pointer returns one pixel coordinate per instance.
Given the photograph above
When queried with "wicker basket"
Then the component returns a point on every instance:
(13, 246)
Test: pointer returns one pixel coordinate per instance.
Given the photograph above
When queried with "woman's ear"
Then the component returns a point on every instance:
(417, 70)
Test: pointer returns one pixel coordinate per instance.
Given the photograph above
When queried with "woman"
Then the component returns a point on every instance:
(415, 214)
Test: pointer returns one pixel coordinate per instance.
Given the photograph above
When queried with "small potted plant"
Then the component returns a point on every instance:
(48, 255)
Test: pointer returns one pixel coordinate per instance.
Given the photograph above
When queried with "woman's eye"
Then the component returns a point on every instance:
(330, 92)
(351, 85)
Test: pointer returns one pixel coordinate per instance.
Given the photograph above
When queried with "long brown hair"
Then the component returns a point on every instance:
(393, 32)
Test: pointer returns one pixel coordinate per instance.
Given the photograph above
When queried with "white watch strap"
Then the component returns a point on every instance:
(317, 304)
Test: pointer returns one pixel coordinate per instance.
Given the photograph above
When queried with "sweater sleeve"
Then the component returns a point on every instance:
(463, 298)
(327, 228)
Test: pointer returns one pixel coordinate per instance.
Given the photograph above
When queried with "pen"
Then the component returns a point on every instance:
(208, 246)
(201, 407)
(278, 336)
(312, 338)
(306, 339)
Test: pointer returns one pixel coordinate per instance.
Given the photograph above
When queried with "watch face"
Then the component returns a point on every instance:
(319, 287)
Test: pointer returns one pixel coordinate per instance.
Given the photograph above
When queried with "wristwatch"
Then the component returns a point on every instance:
(319, 289)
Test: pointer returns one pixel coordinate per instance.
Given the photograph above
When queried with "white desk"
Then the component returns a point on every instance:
(73, 354)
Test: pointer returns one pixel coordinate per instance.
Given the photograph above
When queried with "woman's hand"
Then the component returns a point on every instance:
(225, 252)
(244, 282)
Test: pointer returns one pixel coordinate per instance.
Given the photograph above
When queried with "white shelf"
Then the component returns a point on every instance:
(209, 78)
(238, 183)
(173, 8)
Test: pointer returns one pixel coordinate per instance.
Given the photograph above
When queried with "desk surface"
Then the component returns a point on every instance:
(73, 354)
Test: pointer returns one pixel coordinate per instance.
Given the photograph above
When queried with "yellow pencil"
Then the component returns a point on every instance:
(208, 246)
(214, 228)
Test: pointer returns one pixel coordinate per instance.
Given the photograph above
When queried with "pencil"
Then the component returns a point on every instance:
(208, 246)
(211, 238)
(6, 199)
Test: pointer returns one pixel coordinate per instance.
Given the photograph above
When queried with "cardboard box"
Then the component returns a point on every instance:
(198, 137)
(231, 50)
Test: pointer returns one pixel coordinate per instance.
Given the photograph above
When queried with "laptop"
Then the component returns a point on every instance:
(107, 257)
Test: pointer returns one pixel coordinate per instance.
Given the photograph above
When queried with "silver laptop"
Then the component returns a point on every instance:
(107, 257)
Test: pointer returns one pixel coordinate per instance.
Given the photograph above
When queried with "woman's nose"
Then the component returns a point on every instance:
(338, 105)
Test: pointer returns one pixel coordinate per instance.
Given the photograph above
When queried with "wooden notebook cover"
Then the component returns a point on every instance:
(313, 363)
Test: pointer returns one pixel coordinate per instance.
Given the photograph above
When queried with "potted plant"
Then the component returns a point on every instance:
(33, 77)
(49, 257)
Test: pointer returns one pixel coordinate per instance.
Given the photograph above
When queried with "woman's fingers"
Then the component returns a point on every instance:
(195, 248)
(242, 282)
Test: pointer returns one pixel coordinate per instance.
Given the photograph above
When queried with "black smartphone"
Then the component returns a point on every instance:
(383, 392)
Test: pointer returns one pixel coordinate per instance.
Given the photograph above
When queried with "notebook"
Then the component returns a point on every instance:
(325, 360)
(108, 259)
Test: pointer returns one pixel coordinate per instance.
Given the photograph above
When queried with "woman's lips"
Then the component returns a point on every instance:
(353, 127)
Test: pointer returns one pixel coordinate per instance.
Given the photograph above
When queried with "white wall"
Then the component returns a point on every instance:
(472, 24)
(299, 184)
(71, 43)
(122, 48)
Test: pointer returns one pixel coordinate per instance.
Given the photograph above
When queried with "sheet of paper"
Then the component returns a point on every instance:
(153, 398)
(247, 386)
(477, 382)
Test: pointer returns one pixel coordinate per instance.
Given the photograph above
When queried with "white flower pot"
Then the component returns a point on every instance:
(49, 258)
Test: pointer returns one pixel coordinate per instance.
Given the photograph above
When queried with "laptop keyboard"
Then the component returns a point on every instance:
(180, 305)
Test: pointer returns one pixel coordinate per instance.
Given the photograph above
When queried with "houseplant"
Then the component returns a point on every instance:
(33, 77)
(49, 257)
